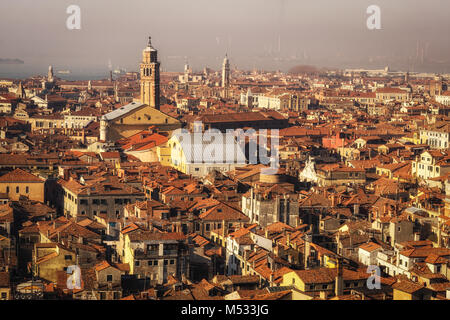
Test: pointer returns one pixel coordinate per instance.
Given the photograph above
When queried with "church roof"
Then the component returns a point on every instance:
(119, 112)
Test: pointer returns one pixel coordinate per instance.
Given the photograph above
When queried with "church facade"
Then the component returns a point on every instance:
(139, 115)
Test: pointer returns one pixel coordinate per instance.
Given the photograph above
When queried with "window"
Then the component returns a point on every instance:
(67, 257)
(150, 262)
(17, 189)
(109, 278)
(4, 295)
(7, 189)
(165, 262)
(172, 261)
(136, 263)
(27, 189)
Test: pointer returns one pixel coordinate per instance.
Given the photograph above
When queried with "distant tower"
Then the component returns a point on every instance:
(436, 86)
(20, 91)
(116, 92)
(50, 77)
(186, 67)
(103, 129)
(407, 77)
(89, 85)
(226, 75)
(249, 98)
(150, 76)
(187, 71)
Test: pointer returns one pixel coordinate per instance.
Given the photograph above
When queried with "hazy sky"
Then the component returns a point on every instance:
(320, 32)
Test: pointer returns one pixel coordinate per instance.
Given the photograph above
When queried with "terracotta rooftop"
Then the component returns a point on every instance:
(19, 175)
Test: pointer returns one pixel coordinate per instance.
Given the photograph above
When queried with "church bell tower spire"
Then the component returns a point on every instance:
(149, 72)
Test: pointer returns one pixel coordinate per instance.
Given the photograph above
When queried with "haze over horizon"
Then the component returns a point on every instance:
(259, 34)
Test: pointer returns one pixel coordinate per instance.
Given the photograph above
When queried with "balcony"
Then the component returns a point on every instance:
(170, 252)
(139, 253)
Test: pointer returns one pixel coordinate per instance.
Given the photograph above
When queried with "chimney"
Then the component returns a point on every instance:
(385, 208)
(333, 200)
(224, 229)
(271, 279)
(356, 209)
(439, 237)
(339, 285)
(307, 251)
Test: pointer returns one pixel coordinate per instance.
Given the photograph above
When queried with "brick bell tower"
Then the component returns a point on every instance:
(150, 76)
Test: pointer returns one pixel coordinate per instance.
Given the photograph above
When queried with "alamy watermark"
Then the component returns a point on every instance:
(74, 280)
(374, 281)
(374, 20)
(73, 22)
(232, 147)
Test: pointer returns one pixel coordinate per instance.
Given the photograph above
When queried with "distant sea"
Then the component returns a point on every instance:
(26, 70)
(33, 67)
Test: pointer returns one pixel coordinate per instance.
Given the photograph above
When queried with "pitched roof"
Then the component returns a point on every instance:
(326, 275)
(370, 246)
(407, 286)
(19, 175)
(225, 212)
(122, 111)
